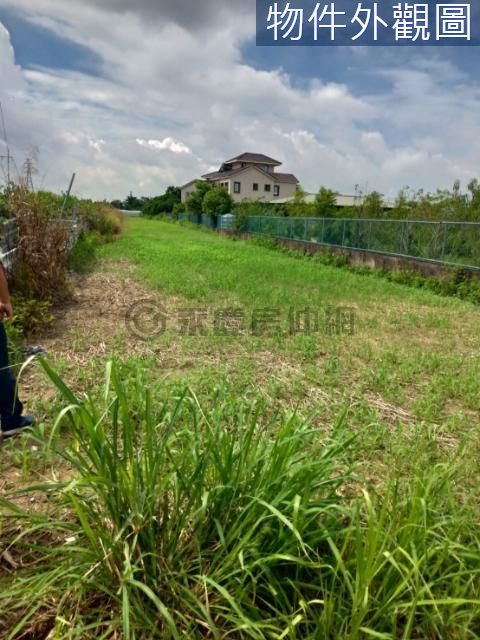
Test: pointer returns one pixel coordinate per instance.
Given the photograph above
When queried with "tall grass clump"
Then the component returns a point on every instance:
(83, 255)
(102, 219)
(102, 225)
(46, 251)
(40, 262)
(189, 521)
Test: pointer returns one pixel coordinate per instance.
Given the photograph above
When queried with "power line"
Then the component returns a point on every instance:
(5, 138)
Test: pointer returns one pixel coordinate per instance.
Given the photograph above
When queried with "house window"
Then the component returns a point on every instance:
(255, 186)
(236, 187)
(276, 190)
(268, 187)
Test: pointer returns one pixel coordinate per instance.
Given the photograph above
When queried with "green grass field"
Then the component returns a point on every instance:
(267, 483)
(412, 354)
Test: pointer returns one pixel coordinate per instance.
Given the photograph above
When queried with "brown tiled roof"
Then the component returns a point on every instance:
(220, 174)
(276, 177)
(215, 175)
(285, 177)
(254, 157)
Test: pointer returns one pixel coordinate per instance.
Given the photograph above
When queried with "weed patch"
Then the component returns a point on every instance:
(220, 521)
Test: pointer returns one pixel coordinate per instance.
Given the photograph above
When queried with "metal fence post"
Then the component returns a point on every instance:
(444, 239)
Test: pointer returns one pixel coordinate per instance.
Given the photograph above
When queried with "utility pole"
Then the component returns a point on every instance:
(67, 195)
(8, 156)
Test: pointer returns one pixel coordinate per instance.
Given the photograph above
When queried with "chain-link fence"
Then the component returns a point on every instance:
(9, 234)
(453, 243)
(456, 243)
(204, 221)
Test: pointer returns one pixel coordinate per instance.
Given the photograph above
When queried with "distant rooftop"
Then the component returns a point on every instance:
(342, 200)
(257, 158)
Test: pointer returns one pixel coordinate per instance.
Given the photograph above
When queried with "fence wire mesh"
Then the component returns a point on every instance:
(455, 243)
(8, 236)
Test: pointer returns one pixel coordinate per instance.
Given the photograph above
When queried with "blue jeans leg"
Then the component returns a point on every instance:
(10, 406)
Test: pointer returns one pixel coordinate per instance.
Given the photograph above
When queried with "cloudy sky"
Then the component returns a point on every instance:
(135, 96)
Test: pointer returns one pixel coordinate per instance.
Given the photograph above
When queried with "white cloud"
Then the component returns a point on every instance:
(98, 145)
(175, 146)
(170, 103)
(10, 73)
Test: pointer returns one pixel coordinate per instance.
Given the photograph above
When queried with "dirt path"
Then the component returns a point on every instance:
(92, 325)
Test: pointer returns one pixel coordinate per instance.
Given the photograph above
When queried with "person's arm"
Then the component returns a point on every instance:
(6, 310)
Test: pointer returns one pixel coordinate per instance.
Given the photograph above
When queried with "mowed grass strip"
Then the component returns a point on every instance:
(414, 348)
(201, 265)
(409, 376)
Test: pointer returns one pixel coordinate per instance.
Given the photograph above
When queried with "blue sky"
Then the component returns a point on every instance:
(137, 96)
(38, 46)
(340, 64)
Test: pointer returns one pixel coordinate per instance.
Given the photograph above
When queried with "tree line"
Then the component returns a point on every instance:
(204, 200)
(411, 204)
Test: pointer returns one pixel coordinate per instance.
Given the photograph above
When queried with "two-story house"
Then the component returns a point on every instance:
(250, 176)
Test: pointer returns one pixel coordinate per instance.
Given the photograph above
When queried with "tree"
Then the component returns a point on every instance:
(298, 207)
(164, 203)
(373, 205)
(194, 201)
(217, 202)
(173, 195)
(473, 199)
(179, 208)
(248, 209)
(132, 203)
(405, 205)
(325, 205)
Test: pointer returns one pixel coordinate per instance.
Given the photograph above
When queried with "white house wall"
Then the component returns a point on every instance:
(248, 178)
